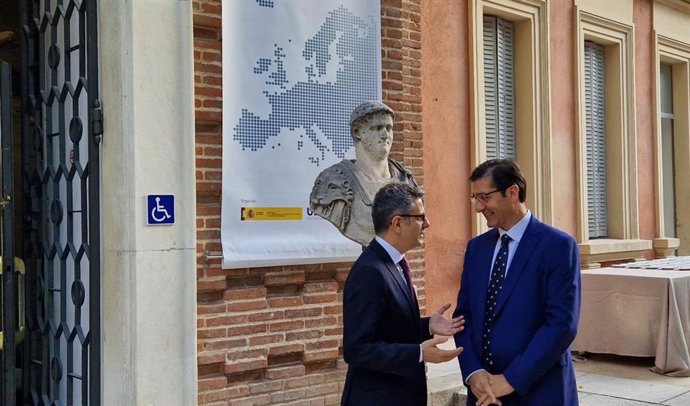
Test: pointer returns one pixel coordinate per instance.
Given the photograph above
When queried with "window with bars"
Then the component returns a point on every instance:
(596, 139)
(499, 87)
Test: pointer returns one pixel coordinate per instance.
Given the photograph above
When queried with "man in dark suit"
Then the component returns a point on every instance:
(385, 341)
(520, 296)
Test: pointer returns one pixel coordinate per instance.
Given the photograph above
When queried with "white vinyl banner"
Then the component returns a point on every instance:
(293, 71)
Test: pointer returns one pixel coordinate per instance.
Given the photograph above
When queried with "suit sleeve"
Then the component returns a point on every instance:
(469, 358)
(424, 329)
(364, 301)
(552, 340)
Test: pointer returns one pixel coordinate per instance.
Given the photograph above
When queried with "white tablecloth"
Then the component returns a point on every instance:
(637, 312)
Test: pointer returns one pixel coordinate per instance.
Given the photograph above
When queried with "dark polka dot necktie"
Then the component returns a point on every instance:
(498, 273)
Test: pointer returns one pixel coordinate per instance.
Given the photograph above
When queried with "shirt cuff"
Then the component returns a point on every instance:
(421, 354)
(467, 381)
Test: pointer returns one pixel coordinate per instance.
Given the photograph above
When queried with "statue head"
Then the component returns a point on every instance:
(366, 110)
(371, 127)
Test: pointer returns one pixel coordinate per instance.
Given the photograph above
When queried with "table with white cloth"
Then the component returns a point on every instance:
(638, 309)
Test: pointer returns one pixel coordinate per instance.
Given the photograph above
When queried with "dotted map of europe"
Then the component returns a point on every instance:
(309, 109)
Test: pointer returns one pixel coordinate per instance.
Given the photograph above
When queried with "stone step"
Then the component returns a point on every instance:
(447, 398)
(459, 398)
(446, 391)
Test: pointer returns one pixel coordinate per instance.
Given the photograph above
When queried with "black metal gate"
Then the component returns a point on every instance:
(59, 360)
(9, 320)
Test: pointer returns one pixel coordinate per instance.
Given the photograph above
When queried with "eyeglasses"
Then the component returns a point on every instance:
(483, 197)
(421, 216)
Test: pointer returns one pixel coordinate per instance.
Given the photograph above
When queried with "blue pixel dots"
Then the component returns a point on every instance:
(262, 66)
(316, 103)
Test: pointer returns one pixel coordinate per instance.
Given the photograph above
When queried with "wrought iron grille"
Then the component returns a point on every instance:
(8, 293)
(61, 128)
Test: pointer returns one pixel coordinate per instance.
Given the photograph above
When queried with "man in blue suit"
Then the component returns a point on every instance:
(520, 296)
(385, 341)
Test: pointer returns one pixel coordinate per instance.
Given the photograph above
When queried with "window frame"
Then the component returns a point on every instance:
(621, 144)
(532, 96)
(623, 241)
(676, 54)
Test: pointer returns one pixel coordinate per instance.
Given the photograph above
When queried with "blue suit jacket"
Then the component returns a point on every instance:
(381, 335)
(536, 315)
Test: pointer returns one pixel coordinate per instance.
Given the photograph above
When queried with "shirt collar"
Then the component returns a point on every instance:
(395, 255)
(518, 229)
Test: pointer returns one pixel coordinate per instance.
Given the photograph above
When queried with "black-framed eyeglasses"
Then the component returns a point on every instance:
(421, 216)
(483, 197)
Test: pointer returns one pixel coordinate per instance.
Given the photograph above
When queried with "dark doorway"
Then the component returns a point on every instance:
(12, 273)
(50, 203)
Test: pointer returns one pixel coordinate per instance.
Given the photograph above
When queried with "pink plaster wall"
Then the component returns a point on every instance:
(446, 131)
(563, 105)
(445, 128)
(645, 72)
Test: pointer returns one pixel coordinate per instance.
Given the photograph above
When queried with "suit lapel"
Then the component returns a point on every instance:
(393, 270)
(517, 265)
(484, 266)
(402, 284)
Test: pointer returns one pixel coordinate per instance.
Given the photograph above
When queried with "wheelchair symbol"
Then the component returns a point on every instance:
(161, 209)
(159, 213)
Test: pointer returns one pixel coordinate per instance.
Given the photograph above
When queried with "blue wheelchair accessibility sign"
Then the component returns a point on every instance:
(161, 209)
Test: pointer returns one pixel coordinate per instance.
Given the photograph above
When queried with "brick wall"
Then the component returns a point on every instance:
(273, 335)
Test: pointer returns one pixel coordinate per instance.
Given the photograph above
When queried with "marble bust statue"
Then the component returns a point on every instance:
(343, 193)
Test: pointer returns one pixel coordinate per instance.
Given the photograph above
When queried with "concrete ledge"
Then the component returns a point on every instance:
(594, 252)
(459, 398)
(665, 247)
(445, 390)
(444, 381)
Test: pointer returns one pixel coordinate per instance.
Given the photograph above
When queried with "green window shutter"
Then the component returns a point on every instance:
(499, 87)
(596, 140)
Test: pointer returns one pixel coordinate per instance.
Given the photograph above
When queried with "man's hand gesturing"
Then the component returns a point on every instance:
(439, 324)
(431, 353)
